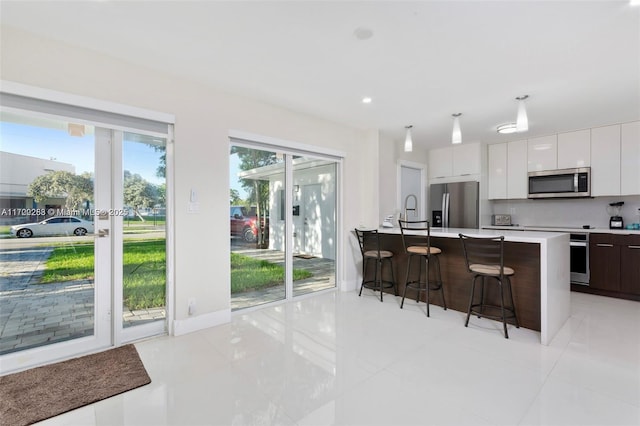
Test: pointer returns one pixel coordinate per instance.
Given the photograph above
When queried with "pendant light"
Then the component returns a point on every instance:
(456, 135)
(522, 122)
(408, 143)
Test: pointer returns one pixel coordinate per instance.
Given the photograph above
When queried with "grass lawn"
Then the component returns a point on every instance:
(4, 229)
(248, 273)
(144, 275)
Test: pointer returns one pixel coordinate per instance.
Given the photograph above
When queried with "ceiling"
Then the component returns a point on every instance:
(579, 61)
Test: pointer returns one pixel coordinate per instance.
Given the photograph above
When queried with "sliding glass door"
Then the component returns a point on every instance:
(293, 198)
(82, 237)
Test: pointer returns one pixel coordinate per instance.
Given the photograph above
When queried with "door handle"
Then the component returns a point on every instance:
(604, 245)
(103, 233)
(634, 247)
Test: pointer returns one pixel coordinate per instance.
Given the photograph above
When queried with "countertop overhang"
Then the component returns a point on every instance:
(568, 229)
(509, 235)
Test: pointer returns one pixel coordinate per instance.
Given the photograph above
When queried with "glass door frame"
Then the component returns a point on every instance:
(108, 324)
(290, 149)
(121, 334)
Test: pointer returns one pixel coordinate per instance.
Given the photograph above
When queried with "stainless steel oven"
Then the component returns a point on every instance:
(579, 254)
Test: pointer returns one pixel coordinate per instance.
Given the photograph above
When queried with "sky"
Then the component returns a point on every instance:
(234, 182)
(56, 144)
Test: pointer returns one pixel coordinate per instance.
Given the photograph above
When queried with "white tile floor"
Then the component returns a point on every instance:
(340, 359)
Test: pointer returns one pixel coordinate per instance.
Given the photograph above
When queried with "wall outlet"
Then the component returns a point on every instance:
(192, 306)
(512, 210)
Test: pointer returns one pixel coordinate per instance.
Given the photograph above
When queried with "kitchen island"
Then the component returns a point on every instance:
(541, 284)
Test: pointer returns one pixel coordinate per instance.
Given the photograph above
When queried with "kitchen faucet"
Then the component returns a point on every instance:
(415, 206)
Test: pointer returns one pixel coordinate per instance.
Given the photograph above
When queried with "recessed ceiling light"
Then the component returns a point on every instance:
(366, 100)
(362, 33)
(505, 129)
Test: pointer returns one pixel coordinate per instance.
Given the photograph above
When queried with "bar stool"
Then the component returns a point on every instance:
(369, 241)
(485, 259)
(419, 246)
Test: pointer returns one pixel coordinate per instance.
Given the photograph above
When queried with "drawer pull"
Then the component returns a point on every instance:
(634, 247)
(604, 245)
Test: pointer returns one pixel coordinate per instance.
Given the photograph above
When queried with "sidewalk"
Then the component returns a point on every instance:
(323, 270)
(33, 314)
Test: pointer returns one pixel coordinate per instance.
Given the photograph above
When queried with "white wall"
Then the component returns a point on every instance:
(391, 153)
(204, 117)
(323, 176)
(566, 212)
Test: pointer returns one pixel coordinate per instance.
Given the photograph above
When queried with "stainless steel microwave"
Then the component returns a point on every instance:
(564, 183)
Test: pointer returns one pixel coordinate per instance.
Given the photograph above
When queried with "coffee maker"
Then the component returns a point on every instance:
(615, 211)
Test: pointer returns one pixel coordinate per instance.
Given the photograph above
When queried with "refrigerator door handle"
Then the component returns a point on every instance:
(444, 205)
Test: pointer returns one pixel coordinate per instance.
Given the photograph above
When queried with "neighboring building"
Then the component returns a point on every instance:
(16, 173)
(314, 206)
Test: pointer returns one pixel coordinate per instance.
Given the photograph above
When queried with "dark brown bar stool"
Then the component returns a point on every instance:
(418, 246)
(369, 241)
(485, 260)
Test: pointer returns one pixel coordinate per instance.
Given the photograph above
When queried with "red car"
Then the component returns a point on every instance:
(243, 224)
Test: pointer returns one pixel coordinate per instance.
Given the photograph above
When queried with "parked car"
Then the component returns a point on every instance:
(57, 225)
(242, 224)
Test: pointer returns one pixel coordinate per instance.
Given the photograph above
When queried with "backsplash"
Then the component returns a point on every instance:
(567, 212)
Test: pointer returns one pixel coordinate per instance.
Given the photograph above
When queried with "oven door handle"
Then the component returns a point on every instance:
(577, 244)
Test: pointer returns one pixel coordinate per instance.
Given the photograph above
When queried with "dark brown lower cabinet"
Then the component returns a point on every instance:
(614, 264)
(630, 265)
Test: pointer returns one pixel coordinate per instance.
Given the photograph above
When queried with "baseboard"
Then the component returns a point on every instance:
(349, 285)
(200, 322)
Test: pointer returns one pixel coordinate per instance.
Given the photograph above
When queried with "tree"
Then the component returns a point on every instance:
(258, 190)
(138, 193)
(75, 189)
(161, 170)
(234, 197)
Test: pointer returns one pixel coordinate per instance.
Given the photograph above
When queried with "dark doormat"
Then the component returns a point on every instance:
(304, 256)
(39, 393)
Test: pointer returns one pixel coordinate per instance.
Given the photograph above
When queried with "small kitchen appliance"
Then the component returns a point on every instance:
(615, 211)
(501, 220)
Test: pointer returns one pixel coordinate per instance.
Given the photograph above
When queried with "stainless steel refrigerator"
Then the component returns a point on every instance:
(454, 205)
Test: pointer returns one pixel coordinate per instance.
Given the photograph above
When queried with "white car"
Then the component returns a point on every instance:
(57, 225)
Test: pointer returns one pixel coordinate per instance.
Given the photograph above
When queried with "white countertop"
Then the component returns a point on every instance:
(509, 235)
(533, 228)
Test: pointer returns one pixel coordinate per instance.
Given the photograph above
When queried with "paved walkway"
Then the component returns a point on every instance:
(323, 270)
(33, 314)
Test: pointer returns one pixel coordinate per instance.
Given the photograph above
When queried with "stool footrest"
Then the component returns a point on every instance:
(375, 285)
(480, 310)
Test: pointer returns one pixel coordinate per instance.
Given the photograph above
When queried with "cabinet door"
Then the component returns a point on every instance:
(542, 153)
(466, 159)
(630, 159)
(498, 171)
(605, 161)
(630, 265)
(440, 162)
(574, 149)
(517, 181)
(604, 262)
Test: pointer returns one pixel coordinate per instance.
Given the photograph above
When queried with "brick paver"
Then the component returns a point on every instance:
(33, 314)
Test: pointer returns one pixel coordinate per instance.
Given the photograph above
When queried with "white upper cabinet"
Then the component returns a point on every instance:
(508, 170)
(517, 180)
(459, 160)
(605, 161)
(440, 163)
(498, 171)
(466, 159)
(542, 153)
(630, 158)
(574, 149)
